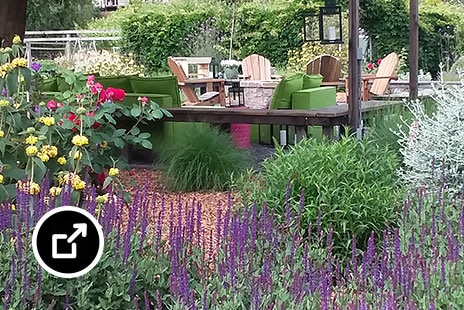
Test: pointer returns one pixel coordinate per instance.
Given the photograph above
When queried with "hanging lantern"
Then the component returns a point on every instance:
(325, 27)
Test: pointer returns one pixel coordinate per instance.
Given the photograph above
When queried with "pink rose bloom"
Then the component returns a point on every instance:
(96, 88)
(370, 66)
(51, 105)
(379, 61)
(90, 80)
(143, 100)
(115, 94)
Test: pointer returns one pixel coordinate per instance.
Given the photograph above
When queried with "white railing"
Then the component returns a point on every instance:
(65, 42)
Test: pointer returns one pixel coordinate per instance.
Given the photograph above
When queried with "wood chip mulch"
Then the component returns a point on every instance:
(210, 201)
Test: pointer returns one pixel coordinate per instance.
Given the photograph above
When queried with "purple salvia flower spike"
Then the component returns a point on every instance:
(147, 300)
(6, 295)
(132, 282)
(136, 303)
(67, 305)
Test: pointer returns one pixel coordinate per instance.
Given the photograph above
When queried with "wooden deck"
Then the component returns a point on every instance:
(327, 117)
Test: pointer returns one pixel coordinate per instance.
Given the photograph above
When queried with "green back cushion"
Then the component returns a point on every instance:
(157, 85)
(121, 82)
(62, 85)
(281, 99)
(312, 81)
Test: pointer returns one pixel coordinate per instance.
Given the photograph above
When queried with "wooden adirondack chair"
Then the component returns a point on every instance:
(327, 66)
(380, 81)
(188, 87)
(257, 67)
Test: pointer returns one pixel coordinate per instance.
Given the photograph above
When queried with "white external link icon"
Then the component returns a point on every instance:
(81, 229)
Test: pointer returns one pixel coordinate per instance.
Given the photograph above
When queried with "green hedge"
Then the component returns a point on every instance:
(156, 33)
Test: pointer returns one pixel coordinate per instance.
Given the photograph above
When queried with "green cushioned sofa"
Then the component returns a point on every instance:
(297, 91)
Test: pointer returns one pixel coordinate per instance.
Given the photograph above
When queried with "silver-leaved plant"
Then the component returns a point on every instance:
(433, 147)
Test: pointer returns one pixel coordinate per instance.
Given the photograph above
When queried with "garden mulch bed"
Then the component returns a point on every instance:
(210, 201)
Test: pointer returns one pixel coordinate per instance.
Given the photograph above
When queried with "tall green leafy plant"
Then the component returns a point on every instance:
(348, 185)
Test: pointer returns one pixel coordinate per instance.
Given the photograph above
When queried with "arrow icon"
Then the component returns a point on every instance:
(81, 228)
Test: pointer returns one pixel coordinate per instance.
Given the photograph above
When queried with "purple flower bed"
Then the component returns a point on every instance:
(258, 264)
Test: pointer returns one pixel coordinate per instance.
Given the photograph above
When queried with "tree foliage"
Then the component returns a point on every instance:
(59, 14)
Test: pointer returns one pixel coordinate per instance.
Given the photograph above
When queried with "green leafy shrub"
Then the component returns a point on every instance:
(70, 137)
(204, 158)
(351, 182)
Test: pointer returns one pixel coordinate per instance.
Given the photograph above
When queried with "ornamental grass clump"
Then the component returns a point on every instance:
(246, 261)
(203, 158)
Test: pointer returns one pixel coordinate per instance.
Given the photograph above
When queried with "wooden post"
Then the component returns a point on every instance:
(413, 48)
(354, 79)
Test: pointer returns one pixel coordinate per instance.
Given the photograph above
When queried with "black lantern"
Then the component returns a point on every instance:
(325, 27)
(214, 68)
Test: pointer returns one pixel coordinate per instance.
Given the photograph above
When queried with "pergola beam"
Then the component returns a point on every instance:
(354, 70)
(413, 48)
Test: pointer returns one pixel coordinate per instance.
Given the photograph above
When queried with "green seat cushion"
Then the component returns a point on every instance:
(312, 81)
(281, 99)
(122, 82)
(47, 85)
(157, 85)
(312, 98)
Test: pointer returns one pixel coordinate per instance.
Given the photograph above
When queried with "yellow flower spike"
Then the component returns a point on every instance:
(77, 155)
(1, 178)
(43, 157)
(13, 207)
(61, 160)
(22, 62)
(16, 39)
(102, 198)
(31, 140)
(34, 188)
(4, 103)
(31, 150)
(50, 150)
(79, 140)
(47, 120)
(2, 133)
(113, 172)
(55, 191)
(78, 184)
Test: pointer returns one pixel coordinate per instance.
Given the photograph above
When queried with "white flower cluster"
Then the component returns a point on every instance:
(230, 63)
(105, 63)
(420, 77)
(435, 142)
